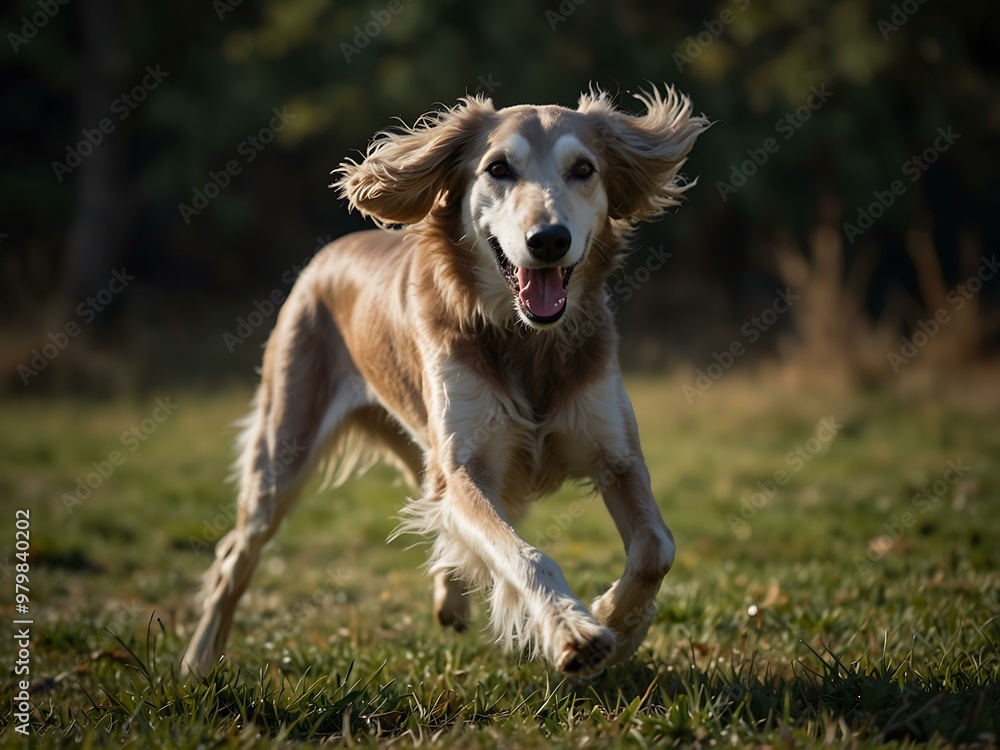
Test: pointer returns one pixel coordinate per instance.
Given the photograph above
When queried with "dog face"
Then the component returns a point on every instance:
(533, 207)
(532, 192)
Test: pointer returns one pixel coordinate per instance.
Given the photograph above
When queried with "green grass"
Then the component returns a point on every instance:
(859, 639)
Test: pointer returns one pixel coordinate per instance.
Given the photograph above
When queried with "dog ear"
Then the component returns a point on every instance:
(406, 171)
(642, 155)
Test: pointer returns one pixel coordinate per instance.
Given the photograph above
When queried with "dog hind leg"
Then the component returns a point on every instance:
(451, 601)
(308, 388)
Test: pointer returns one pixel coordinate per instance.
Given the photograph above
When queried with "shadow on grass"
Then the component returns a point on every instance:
(825, 699)
(872, 699)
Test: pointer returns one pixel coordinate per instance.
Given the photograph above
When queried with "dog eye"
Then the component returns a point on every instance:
(499, 169)
(583, 169)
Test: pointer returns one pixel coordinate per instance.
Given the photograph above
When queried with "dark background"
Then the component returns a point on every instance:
(746, 65)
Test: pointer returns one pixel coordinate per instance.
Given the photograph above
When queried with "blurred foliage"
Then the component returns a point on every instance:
(746, 64)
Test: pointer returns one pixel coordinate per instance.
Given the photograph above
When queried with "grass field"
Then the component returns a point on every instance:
(847, 606)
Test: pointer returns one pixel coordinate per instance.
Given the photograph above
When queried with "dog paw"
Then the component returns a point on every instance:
(451, 604)
(457, 621)
(630, 624)
(586, 654)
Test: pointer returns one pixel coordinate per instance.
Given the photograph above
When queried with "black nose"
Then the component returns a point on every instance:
(549, 242)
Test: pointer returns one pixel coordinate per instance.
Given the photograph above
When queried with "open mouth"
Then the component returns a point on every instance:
(540, 292)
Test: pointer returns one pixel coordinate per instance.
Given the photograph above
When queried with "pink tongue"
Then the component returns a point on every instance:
(542, 290)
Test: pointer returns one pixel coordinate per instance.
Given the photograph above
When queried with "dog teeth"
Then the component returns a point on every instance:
(558, 304)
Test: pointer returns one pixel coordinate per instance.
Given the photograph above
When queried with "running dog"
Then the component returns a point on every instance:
(469, 341)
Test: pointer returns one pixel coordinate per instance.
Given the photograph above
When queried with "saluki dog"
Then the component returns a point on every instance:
(469, 341)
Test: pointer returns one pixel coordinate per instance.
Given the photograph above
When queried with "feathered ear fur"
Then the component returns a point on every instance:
(406, 171)
(643, 154)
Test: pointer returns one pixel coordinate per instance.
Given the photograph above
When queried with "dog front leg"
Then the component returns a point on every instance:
(530, 600)
(628, 606)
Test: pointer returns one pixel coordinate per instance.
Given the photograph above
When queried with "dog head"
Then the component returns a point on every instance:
(541, 197)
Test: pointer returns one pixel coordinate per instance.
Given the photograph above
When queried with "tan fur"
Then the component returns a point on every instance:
(411, 344)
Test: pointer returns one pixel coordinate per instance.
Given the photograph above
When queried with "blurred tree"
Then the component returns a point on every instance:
(101, 214)
(895, 71)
